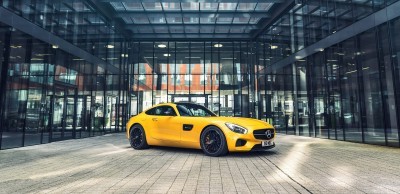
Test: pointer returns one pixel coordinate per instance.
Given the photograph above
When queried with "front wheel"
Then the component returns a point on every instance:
(213, 142)
(137, 137)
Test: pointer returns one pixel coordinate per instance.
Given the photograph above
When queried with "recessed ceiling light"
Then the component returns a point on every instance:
(167, 55)
(110, 46)
(124, 55)
(274, 47)
(162, 46)
(55, 46)
(218, 45)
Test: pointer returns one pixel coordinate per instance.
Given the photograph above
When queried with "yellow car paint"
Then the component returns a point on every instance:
(168, 130)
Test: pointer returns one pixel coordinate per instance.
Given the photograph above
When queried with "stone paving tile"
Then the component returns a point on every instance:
(106, 164)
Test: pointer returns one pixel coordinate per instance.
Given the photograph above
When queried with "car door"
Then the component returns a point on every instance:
(191, 127)
(167, 129)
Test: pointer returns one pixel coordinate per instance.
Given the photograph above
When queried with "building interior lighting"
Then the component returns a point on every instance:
(110, 46)
(162, 46)
(55, 46)
(218, 45)
(167, 55)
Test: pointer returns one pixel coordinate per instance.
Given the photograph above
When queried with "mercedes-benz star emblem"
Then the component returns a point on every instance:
(268, 134)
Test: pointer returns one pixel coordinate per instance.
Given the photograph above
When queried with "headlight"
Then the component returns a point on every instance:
(236, 128)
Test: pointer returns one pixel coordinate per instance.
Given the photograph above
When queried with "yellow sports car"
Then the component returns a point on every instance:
(190, 125)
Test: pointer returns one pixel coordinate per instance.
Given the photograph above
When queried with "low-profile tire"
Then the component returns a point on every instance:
(137, 137)
(213, 142)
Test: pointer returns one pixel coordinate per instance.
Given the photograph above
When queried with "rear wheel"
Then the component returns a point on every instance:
(137, 137)
(213, 142)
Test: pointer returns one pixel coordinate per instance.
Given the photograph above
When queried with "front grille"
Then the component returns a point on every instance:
(263, 134)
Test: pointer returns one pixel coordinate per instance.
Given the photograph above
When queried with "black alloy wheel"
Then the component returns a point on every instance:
(137, 137)
(213, 142)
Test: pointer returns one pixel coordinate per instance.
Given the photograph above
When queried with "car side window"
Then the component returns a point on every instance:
(151, 111)
(163, 111)
(183, 111)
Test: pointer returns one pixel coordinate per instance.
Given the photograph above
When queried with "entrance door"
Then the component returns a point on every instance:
(63, 114)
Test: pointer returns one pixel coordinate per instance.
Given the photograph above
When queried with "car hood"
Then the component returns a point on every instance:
(244, 122)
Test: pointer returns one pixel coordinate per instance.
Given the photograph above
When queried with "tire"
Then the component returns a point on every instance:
(137, 137)
(213, 142)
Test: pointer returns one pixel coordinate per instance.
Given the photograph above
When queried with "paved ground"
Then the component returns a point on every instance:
(107, 164)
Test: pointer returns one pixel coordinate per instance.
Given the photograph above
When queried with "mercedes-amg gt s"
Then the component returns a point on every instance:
(190, 125)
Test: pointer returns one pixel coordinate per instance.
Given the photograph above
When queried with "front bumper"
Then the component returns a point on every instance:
(258, 147)
(246, 142)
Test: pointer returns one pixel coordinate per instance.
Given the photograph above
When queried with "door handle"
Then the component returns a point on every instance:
(154, 119)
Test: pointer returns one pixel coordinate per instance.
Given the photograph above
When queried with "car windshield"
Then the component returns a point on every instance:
(194, 110)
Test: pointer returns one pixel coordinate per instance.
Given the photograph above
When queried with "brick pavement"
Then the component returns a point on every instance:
(106, 164)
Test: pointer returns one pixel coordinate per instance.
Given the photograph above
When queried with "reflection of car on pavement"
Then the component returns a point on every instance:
(190, 125)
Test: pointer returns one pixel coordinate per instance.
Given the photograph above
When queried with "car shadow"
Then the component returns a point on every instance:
(252, 154)
(200, 152)
(176, 150)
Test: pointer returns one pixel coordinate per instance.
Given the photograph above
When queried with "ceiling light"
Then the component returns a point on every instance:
(16, 46)
(110, 46)
(124, 55)
(167, 55)
(55, 46)
(162, 46)
(274, 47)
(218, 45)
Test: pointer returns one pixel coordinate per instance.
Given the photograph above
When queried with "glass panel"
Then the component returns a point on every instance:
(117, 6)
(208, 6)
(190, 6)
(171, 6)
(374, 130)
(350, 92)
(227, 6)
(302, 98)
(320, 95)
(393, 134)
(239, 20)
(152, 6)
(264, 6)
(17, 88)
(246, 6)
(334, 106)
(140, 20)
(224, 20)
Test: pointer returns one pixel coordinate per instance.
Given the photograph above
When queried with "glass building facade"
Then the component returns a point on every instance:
(61, 78)
(326, 69)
